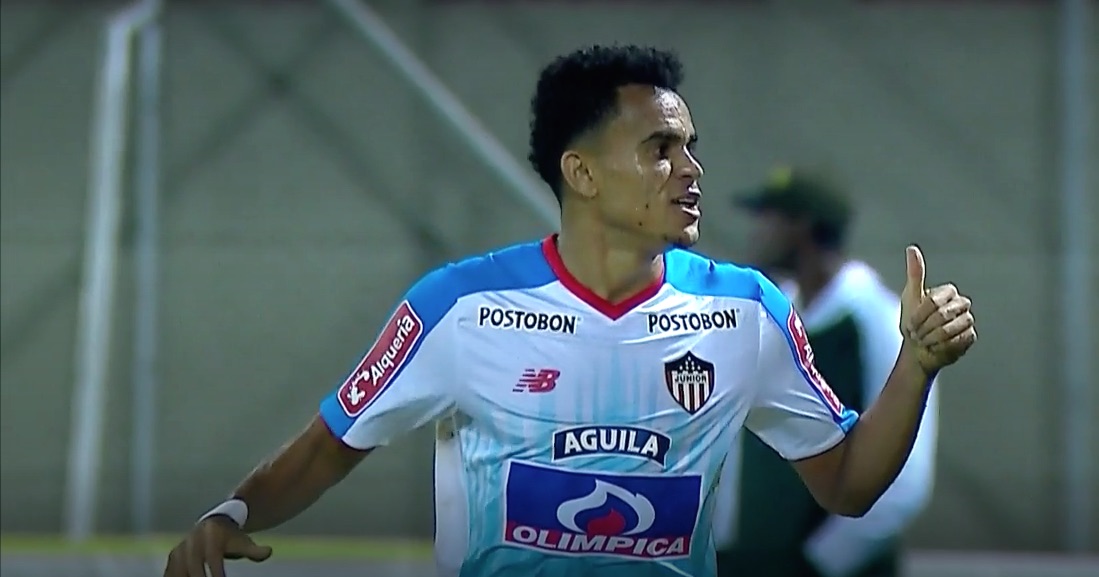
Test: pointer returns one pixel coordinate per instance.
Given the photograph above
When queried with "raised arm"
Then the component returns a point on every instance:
(844, 546)
(938, 329)
(848, 461)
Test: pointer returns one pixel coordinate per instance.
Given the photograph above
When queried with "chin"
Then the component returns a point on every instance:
(685, 238)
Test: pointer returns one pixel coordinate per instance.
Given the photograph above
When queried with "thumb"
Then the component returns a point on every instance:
(916, 271)
(256, 552)
(245, 547)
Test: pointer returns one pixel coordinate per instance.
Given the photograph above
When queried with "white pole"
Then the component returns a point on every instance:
(104, 207)
(374, 30)
(146, 273)
(1077, 280)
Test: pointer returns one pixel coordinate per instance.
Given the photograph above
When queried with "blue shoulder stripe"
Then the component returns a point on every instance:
(433, 296)
(694, 274)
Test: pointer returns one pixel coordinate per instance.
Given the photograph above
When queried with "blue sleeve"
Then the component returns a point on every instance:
(398, 384)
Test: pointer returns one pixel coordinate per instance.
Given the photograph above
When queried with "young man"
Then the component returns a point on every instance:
(765, 523)
(587, 387)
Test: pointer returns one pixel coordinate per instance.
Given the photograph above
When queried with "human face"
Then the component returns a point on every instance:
(773, 240)
(644, 171)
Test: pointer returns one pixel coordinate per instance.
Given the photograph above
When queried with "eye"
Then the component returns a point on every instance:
(692, 145)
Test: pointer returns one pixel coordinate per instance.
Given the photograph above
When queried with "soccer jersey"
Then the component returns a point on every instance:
(579, 437)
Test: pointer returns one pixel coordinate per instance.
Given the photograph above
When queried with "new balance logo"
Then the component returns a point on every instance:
(537, 381)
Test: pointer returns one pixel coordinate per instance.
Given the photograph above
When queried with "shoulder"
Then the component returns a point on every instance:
(693, 273)
(516, 267)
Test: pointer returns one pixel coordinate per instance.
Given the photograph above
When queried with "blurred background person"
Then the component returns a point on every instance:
(767, 524)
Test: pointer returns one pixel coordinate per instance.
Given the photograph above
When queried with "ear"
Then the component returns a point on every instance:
(577, 174)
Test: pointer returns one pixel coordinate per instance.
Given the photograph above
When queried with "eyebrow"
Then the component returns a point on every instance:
(669, 135)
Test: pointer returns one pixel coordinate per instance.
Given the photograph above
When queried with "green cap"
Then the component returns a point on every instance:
(799, 192)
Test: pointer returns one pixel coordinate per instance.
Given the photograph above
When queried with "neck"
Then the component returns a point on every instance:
(813, 272)
(609, 263)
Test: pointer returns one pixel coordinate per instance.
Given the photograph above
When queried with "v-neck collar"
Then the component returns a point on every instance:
(611, 310)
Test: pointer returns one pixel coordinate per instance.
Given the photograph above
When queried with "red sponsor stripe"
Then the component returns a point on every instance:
(804, 353)
(382, 362)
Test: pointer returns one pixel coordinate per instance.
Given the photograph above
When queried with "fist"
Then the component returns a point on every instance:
(937, 323)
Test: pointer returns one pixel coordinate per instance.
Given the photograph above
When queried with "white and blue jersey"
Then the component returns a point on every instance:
(579, 437)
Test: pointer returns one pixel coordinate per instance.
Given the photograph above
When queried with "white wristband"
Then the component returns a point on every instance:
(234, 509)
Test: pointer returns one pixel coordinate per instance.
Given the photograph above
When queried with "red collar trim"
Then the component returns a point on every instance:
(614, 311)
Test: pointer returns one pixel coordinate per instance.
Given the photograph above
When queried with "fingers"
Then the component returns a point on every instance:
(208, 546)
(175, 566)
(957, 307)
(260, 553)
(935, 299)
(947, 331)
(195, 559)
(957, 345)
(214, 557)
(243, 547)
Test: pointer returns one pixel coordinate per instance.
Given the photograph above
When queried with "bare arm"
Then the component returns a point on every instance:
(939, 328)
(297, 475)
(866, 453)
(843, 546)
(848, 479)
(395, 388)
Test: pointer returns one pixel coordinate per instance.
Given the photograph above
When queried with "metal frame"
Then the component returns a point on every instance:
(104, 214)
(374, 31)
(279, 82)
(105, 230)
(1077, 279)
(146, 177)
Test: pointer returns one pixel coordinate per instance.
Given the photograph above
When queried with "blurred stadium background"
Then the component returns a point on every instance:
(283, 170)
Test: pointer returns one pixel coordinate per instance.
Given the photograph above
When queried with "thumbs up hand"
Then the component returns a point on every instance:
(937, 323)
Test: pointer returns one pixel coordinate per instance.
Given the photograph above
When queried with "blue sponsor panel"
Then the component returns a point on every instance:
(627, 516)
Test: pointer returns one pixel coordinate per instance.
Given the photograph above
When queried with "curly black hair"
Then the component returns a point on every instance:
(578, 91)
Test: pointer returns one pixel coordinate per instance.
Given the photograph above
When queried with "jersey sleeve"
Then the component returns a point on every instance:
(794, 411)
(401, 382)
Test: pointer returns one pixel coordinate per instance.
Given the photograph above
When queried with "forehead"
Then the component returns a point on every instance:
(645, 109)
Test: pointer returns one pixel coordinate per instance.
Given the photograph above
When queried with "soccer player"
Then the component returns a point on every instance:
(587, 387)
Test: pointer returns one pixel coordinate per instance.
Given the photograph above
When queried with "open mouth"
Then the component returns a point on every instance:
(689, 204)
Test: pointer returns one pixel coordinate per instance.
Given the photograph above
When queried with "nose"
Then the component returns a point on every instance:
(692, 168)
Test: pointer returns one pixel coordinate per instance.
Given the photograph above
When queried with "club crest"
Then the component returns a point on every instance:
(690, 381)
